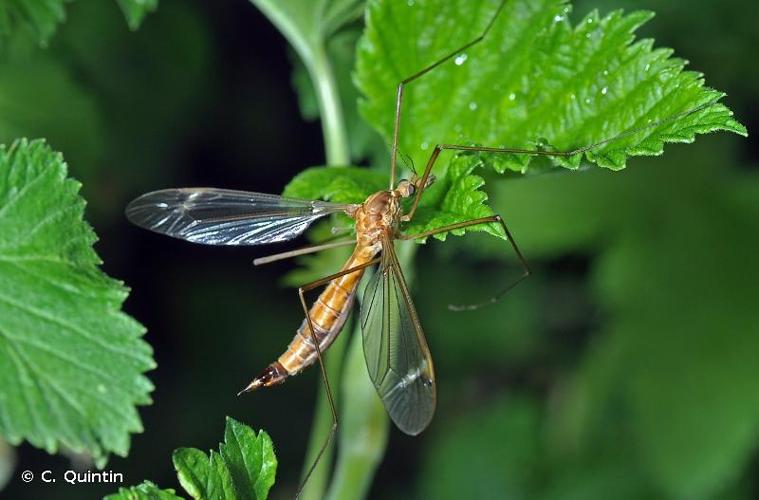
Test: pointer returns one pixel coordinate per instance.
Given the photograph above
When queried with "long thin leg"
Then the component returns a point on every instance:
(405, 81)
(301, 251)
(474, 222)
(325, 378)
(422, 184)
(537, 152)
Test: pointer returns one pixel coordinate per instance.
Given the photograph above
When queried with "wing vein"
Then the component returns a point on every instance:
(397, 356)
(226, 217)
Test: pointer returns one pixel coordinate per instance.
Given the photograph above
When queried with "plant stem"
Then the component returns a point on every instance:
(321, 424)
(337, 153)
(363, 428)
(311, 48)
(7, 463)
(336, 147)
(364, 424)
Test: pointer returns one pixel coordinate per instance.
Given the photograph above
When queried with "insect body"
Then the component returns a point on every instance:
(396, 351)
(327, 316)
(376, 218)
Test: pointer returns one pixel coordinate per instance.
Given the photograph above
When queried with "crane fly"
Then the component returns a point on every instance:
(397, 356)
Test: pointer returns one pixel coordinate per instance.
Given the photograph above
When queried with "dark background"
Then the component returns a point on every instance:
(201, 96)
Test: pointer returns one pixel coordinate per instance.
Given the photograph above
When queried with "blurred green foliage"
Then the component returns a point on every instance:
(667, 370)
(40, 18)
(87, 93)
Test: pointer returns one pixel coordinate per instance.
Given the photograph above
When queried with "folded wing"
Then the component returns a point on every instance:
(396, 352)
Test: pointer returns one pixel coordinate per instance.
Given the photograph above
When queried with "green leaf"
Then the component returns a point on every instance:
(202, 476)
(250, 459)
(339, 185)
(144, 491)
(135, 10)
(535, 81)
(454, 198)
(71, 362)
(40, 18)
(244, 468)
(193, 471)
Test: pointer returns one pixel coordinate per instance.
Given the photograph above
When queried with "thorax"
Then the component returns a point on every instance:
(379, 215)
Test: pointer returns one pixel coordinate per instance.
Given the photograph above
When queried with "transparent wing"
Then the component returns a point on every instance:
(226, 217)
(396, 352)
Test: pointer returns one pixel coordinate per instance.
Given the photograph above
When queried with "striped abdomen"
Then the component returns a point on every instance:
(328, 314)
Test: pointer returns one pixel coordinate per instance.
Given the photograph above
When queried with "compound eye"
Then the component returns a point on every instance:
(406, 187)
